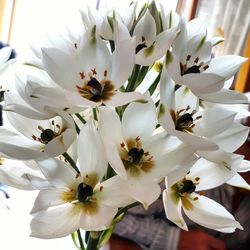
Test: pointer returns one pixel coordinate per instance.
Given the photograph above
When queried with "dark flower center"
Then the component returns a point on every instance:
(193, 69)
(83, 192)
(135, 155)
(186, 186)
(95, 89)
(139, 47)
(47, 135)
(198, 66)
(184, 121)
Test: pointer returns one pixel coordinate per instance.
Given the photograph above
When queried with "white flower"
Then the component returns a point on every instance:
(16, 174)
(151, 46)
(77, 200)
(137, 155)
(94, 75)
(190, 63)
(200, 209)
(36, 139)
(36, 96)
(181, 116)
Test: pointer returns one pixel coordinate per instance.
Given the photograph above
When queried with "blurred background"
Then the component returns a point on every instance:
(22, 21)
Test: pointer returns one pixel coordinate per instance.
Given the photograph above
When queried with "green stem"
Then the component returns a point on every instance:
(87, 233)
(77, 128)
(112, 45)
(92, 243)
(80, 118)
(141, 75)
(125, 209)
(133, 78)
(95, 114)
(80, 239)
(154, 84)
(71, 161)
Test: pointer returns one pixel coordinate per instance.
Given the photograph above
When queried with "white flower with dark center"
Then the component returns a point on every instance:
(93, 76)
(190, 63)
(182, 195)
(151, 46)
(181, 116)
(36, 96)
(138, 156)
(34, 139)
(77, 200)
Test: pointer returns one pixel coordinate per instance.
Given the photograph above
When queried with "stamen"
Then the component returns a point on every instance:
(94, 71)
(82, 75)
(40, 128)
(196, 59)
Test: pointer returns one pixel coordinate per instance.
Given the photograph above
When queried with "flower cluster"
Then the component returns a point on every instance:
(103, 119)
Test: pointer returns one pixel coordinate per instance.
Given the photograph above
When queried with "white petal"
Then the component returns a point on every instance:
(139, 119)
(25, 151)
(203, 82)
(195, 141)
(55, 147)
(98, 221)
(232, 138)
(223, 96)
(36, 181)
(110, 129)
(55, 223)
(110, 125)
(143, 190)
(95, 55)
(91, 152)
(181, 171)
(244, 167)
(184, 98)
(172, 160)
(226, 66)
(57, 172)
(123, 98)
(115, 160)
(145, 28)
(214, 121)
(122, 62)
(48, 198)
(12, 174)
(172, 206)
(213, 175)
(114, 193)
(197, 26)
(180, 44)
(61, 68)
(167, 91)
(238, 181)
(172, 64)
(211, 214)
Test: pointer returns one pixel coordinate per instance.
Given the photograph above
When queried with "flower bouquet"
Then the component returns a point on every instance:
(132, 109)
